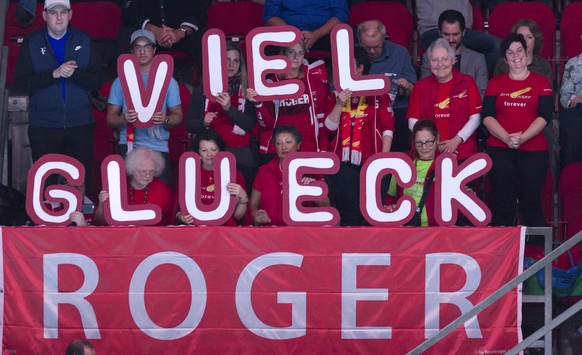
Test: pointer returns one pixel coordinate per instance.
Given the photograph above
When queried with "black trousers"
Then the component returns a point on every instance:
(517, 176)
(570, 135)
(76, 142)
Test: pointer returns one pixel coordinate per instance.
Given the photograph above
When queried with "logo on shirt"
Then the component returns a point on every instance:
(77, 48)
(518, 93)
(462, 94)
(43, 50)
(443, 104)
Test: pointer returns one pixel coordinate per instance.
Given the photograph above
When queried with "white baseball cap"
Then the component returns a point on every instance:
(52, 3)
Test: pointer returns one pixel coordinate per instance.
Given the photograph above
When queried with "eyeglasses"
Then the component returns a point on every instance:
(145, 47)
(428, 144)
(146, 172)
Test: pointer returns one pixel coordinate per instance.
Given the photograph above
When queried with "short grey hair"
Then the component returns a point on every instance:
(441, 43)
(381, 28)
(133, 158)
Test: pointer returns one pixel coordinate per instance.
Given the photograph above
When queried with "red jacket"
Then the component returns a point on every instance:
(306, 113)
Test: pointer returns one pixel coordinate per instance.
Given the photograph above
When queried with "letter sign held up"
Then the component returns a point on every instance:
(260, 66)
(145, 99)
(67, 195)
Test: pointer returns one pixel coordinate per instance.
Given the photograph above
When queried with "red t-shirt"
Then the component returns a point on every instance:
(516, 106)
(158, 193)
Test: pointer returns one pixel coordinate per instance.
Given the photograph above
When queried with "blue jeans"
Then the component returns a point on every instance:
(478, 41)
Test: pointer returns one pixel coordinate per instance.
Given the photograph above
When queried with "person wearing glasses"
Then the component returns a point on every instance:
(143, 46)
(392, 60)
(451, 99)
(425, 139)
(517, 107)
(143, 167)
(58, 68)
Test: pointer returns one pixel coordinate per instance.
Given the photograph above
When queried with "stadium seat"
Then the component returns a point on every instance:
(570, 32)
(570, 190)
(394, 15)
(100, 19)
(235, 19)
(504, 15)
(104, 144)
(478, 20)
(179, 141)
(14, 35)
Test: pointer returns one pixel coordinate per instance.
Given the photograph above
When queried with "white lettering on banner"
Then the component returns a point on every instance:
(137, 293)
(297, 300)
(53, 298)
(351, 294)
(435, 297)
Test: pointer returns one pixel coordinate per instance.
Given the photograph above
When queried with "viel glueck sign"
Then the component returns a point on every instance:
(307, 287)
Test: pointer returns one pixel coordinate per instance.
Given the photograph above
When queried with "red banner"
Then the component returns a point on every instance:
(257, 290)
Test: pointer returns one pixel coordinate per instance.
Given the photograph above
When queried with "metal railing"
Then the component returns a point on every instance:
(549, 323)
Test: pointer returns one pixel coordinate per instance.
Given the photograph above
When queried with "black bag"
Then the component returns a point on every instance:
(415, 221)
(12, 207)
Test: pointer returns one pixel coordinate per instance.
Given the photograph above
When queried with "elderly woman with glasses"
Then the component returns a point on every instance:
(516, 109)
(143, 166)
(451, 99)
(425, 139)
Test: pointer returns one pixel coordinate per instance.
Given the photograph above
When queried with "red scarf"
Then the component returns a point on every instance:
(351, 122)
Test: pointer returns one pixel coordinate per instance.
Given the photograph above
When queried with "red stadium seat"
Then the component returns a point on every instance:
(235, 19)
(478, 20)
(570, 190)
(571, 30)
(179, 142)
(14, 35)
(394, 15)
(504, 15)
(104, 145)
(570, 34)
(100, 19)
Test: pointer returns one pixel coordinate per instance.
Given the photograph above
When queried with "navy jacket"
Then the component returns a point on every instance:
(36, 62)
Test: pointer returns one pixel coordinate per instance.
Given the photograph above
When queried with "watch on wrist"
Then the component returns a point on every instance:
(183, 30)
(167, 120)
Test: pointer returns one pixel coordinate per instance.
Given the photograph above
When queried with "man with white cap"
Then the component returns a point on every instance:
(143, 46)
(59, 69)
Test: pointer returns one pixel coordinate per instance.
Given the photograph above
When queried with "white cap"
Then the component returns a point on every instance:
(52, 3)
(137, 34)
